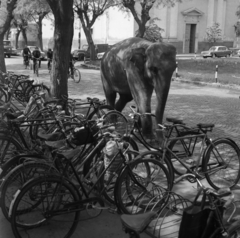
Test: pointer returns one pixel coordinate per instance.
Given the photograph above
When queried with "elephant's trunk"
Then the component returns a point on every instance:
(160, 83)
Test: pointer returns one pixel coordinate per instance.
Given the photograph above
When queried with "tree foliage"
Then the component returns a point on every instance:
(214, 32)
(152, 32)
(88, 11)
(144, 16)
(33, 11)
(237, 25)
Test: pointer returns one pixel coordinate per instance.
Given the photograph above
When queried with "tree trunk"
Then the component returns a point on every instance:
(63, 34)
(24, 34)
(2, 60)
(40, 33)
(6, 36)
(90, 43)
(141, 30)
(6, 9)
(16, 38)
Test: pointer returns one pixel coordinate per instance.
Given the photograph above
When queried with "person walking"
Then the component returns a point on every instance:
(49, 57)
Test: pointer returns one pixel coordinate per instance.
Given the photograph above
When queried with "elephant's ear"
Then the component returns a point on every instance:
(138, 57)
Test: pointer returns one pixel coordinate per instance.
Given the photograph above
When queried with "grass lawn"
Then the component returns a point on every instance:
(204, 70)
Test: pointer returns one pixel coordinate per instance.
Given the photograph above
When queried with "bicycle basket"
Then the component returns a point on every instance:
(110, 150)
(85, 134)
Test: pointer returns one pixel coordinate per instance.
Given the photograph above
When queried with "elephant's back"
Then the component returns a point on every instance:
(115, 60)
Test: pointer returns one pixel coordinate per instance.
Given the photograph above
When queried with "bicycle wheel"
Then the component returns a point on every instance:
(157, 155)
(3, 97)
(117, 120)
(45, 207)
(140, 183)
(108, 180)
(98, 113)
(221, 165)
(187, 151)
(8, 148)
(36, 69)
(16, 179)
(34, 89)
(234, 230)
(76, 75)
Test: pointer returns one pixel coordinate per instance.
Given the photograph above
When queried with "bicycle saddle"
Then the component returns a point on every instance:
(175, 120)
(92, 99)
(202, 125)
(137, 222)
(70, 153)
(50, 137)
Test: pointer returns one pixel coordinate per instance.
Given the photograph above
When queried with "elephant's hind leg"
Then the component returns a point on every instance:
(122, 101)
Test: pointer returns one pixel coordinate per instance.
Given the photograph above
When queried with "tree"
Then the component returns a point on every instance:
(237, 25)
(214, 32)
(6, 10)
(20, 23)
(63, 34)
(146, 6)
(152, 32)
(88, 11)
(34, 11)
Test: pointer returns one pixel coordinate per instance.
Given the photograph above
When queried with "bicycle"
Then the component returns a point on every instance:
(76, 74)
(36, 65)
(64, 198)
(216, 158)
(165, 221)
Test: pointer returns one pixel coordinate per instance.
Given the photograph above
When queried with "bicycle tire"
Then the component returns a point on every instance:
(230, 151)
(3, 96)
(26, 222)
(234, 230)
(37, 88)
(128, 193)
(157, 155)
(8, 148)
(185, 151)
(17, 177)
(117, 120)
(98, 113)
(17, 160)
(108, 181)
(76, 75)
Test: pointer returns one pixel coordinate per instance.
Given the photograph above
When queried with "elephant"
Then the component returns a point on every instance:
(133, 68)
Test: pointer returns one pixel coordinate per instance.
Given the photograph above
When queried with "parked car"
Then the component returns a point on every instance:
(15, 52)
(7, 48)
(238, 53)
(32, 48)
(217, 51)
(81, 54)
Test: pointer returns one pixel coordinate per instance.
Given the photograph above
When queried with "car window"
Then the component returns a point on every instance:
(212, 49)
(32, 48)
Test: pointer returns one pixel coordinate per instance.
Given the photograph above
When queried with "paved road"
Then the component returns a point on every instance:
(192, 103)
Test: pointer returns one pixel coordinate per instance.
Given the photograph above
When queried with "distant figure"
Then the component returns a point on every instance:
(71, 64)
(36, 56)
(26, 55)
(49, 57)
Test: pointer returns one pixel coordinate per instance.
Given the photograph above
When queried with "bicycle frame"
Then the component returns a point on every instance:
(192, 169)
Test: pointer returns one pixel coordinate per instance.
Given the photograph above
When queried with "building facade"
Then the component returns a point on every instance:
(186, 23)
